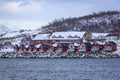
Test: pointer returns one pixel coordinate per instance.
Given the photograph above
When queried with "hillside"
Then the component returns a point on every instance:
(4, 29)
(97, 22)
(8, 39)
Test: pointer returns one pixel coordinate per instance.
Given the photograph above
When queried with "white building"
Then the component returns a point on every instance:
(112, 37)
(67, 35)
(99, 35)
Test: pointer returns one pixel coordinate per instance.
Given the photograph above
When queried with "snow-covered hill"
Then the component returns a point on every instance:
(98, 22)
(4, 28)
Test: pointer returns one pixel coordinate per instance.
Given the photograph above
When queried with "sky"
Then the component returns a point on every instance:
(33, 14)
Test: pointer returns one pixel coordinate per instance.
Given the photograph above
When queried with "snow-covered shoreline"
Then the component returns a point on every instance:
(56, 55)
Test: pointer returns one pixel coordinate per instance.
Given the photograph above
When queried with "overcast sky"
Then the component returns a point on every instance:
(31, 14)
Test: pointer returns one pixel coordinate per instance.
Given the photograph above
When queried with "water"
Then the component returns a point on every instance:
(59, 69)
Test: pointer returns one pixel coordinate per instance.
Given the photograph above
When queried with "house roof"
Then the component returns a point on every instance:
(112, 42)
(114, 34)
(94, 35)
(67, 35)
(60, 35)
(87, 43)
(100, 43)
(76, 44)
(38, 45)
(55, 45)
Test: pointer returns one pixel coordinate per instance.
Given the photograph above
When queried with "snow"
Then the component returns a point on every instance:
(60, 35)
(118, 47)
(16, 41)
(37, 46)
(41, 36)
(8, 35)
(31, 32)
(16, 34)
(76, 44)
(5, 28)
(55, 45)
(101, 43)
(118, 50)
(66, 35)
(27, 46)
(84, 40)
(99, 35)
(7, 50)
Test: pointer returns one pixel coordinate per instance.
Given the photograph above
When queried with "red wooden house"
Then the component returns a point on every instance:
(85, 47)
(60, 47)
(45, 47)
(110, 46)
(71, 48)
(38, 47)
(57, 47)
(95, 47)
(101, 45)
(50, 48)
(64, 46)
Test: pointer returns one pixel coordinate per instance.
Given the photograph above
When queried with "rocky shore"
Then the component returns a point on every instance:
(57, 55)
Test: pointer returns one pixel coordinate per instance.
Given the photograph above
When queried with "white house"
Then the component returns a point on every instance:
(99, 35)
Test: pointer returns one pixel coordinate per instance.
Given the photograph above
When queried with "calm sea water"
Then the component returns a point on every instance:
(59, 69)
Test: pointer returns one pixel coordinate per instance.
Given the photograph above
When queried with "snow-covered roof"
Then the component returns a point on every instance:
(66, 35)
(55, 45)
(112, 34)
(96, 35)
(101, 43)
(27, 46)
(76, 44)
(37, 46)
(41, 37)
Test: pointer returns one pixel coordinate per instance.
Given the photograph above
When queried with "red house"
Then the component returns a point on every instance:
(110, 46)
(64, 46)
(45, 47)
(95, 47)
(50, 48)
(57, 47)
(71, 48)
(85, 47)
(101, 46)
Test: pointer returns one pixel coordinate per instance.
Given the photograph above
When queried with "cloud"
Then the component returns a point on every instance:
(20, 7)
(39, 12)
